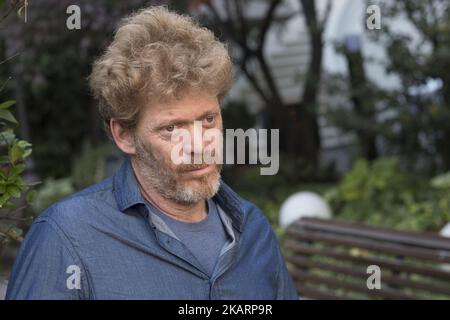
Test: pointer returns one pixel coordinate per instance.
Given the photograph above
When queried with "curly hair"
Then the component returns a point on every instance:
(156, 56)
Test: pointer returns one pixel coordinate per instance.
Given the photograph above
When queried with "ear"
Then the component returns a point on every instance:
(122, 137)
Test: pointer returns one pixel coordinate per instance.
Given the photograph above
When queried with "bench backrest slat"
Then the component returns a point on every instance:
(329, 259)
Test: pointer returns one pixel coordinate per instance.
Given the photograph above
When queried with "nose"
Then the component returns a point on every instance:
(194, 148)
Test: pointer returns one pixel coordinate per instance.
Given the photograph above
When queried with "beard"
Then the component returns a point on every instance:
(169, 182)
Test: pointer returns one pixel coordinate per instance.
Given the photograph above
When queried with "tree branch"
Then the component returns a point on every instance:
(326, 15)
(255, 83)
(226, 26)
(240, 16)
(267, 22)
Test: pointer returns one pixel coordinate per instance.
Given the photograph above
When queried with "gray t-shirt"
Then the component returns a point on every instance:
(205, 239)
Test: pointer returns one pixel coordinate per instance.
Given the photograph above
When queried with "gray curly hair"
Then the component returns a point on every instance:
(157, 55)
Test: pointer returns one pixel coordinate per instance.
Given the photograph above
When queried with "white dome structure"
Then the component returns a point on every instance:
(303, 204)
(445, 232)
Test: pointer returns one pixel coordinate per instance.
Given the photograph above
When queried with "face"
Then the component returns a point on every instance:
(195, 114)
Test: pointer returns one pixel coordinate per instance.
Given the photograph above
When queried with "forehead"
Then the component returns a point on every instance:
(188, 108)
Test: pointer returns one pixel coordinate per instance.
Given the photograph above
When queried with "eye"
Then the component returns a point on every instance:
(210, 118)
(169, 128)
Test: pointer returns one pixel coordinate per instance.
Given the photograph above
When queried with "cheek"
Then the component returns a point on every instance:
(160, 150)
(165, 153)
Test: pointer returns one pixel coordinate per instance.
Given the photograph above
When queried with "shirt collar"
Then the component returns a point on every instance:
(126, 189)
(127, 194)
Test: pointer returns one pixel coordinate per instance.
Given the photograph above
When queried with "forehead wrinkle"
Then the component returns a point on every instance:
(181, 111)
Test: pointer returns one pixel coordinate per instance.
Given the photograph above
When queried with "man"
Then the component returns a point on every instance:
(157, 229)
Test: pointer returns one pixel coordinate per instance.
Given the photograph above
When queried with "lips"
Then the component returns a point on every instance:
(198, 169)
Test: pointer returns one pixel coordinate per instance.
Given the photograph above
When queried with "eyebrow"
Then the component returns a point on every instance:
(184, 121)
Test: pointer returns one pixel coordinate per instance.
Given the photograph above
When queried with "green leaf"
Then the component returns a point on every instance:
(6, 115)
(7, 104)
(24, 144)
(18, 169)
(7, 137)
(27, 152)
(9, 204)
(19, 182)
(14, 190)
(16, 153)
(3, 199)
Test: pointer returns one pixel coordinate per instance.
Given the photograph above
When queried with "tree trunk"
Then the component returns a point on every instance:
(363, 103)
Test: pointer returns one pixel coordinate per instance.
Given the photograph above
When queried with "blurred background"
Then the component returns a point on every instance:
(360, 91)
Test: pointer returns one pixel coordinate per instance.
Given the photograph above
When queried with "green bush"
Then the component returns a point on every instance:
(50, 192)
(89, 168)
(13, 188)
(269, 192)
(383, 194)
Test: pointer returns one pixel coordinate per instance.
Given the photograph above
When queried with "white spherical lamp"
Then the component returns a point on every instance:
(303, 204)
(445, 232)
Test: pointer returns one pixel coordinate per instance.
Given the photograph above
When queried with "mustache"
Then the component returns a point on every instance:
(146, 155)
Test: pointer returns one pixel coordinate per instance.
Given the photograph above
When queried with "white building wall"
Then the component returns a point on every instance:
(287, 52)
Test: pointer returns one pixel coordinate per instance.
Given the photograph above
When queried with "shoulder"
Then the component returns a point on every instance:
(72, 211)
(253, 217)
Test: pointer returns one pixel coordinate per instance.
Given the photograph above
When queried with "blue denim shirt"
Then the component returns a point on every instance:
(104, 243)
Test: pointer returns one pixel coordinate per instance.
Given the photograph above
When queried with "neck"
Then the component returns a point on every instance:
(186, 212)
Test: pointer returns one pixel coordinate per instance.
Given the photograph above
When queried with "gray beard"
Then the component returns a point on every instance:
(159, 176)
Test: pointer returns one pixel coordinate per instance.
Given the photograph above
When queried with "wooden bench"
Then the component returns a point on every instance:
(328, 259)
